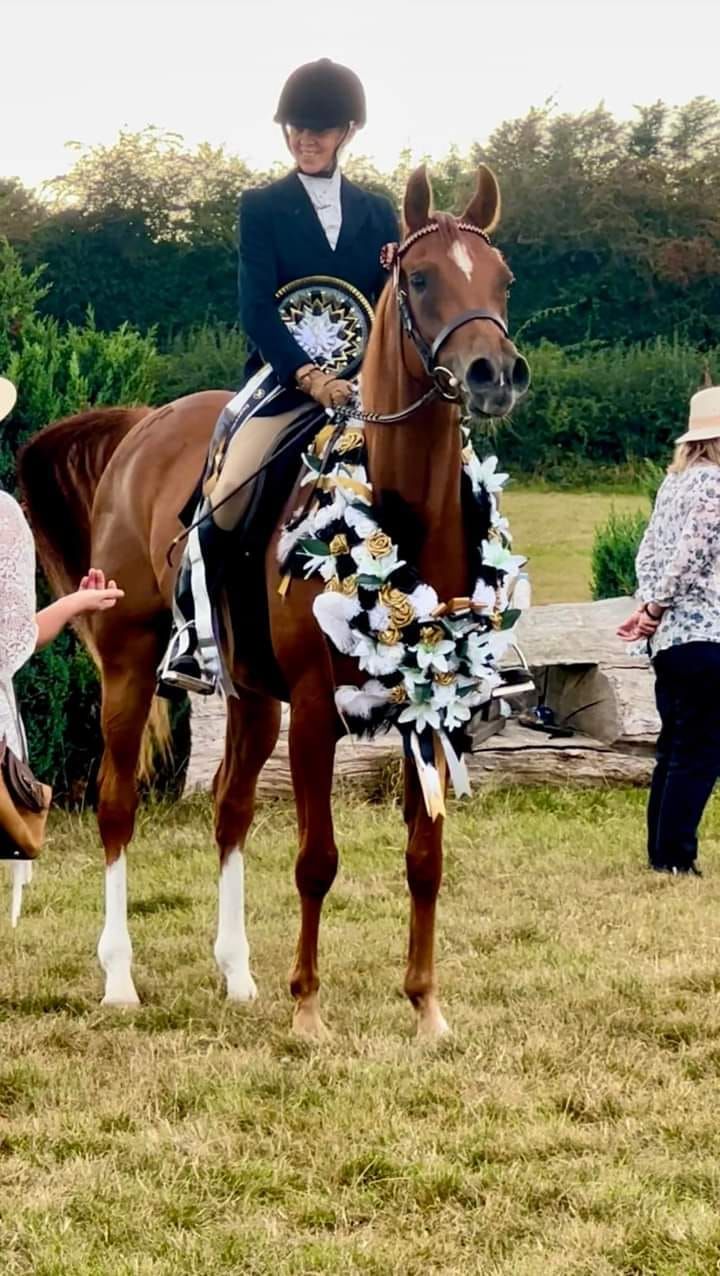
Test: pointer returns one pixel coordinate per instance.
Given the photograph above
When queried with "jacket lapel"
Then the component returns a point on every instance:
(304, 221)
(355, 206)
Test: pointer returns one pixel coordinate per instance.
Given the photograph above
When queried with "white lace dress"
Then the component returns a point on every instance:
(18, 637)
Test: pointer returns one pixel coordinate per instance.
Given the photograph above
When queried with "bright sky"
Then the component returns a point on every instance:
(435, 71)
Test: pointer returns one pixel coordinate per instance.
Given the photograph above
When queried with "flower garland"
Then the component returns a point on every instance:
(430, 665)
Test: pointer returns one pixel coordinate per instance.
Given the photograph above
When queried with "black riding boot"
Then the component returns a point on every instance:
(192, 661)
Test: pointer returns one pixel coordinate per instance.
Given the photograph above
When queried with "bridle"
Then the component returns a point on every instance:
(444, 384)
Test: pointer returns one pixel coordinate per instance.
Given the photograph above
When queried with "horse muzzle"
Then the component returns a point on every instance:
(494, 383)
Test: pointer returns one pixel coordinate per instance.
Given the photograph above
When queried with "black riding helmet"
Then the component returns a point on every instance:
(322, 95)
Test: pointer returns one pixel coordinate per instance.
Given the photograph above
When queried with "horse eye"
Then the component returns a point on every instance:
(418, 280)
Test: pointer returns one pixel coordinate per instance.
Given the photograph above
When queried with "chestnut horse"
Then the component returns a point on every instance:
(106, 488)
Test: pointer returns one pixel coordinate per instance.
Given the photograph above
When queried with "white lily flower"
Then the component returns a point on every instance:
(484, 474)
(422, 714)
(502, 527)
(455, 714)
(379, 568)
(317, 563)
(434, 657)
(497, 556)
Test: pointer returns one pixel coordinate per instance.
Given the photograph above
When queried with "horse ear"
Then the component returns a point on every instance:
(418, 200)
(483, 210)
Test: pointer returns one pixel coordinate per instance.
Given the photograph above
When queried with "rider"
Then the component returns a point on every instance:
(311, 222)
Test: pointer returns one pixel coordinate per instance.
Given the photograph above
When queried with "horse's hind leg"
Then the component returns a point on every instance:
(253, 723)
(128, 680)
(424, 874)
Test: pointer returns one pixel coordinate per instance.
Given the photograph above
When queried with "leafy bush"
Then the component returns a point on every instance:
(210, 357)
(60, 370)
(594, 409)
(615, 547)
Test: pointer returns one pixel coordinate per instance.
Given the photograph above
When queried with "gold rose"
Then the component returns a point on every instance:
(398, 604)
(338, 544)
(431, 635)
(378, 544)
(389, 637)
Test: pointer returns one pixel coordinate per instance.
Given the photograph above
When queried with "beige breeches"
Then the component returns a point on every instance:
(245, 455)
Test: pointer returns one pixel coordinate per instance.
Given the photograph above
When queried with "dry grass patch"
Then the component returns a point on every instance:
(568, 1127)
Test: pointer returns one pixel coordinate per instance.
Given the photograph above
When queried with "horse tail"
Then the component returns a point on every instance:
(58, 473)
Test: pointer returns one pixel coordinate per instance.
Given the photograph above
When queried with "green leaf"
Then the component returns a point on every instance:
(510, 618)
(314, 548)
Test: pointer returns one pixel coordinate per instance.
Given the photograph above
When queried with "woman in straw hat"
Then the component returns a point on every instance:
(678, 571)
(22, 631)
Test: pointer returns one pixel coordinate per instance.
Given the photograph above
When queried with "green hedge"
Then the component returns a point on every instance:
(598, 411)
(615, 547)
(210, 357)
(58, 371)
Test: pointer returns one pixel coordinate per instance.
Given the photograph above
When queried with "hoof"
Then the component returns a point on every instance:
(431, 1022)
(242, 988)
(121, 995)
(307, 1024)
(122, 1001)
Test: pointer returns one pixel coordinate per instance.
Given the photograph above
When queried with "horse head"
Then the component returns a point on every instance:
(453, 291)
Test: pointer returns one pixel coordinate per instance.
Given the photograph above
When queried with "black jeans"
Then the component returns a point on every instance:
(687, 693)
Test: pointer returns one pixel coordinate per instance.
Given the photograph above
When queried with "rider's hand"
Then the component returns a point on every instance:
(334, 393)
(331, 392)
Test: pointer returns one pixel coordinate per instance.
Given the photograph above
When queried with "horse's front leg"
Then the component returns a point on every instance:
(128, 685)
(424, 874)
(313, 736)
(253, 723)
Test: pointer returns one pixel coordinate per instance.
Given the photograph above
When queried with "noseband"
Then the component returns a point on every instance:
(445, 384)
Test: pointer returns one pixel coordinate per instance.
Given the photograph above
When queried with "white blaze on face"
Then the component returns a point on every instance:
(460, 255)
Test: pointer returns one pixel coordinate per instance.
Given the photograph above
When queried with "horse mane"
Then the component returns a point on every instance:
(58, 473)
(372, 369)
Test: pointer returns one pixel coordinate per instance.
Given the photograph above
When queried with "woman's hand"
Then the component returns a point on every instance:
(95, 593)
(639, 625)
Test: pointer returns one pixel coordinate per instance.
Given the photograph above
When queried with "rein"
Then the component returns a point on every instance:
(445, 384)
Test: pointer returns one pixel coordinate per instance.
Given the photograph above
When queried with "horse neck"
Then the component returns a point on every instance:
(417, 461)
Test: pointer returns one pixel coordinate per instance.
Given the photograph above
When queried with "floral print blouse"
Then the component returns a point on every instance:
(678, 563)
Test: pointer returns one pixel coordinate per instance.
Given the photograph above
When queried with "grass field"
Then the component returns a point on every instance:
(568, 1126)
(555, 530)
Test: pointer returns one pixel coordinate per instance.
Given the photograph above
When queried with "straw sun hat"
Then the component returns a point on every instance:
(704, 420)
(8, 395)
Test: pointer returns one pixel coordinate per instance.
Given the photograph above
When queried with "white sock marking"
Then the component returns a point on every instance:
(21, 874)
(232, 951)
(460, 255)
(114, 947)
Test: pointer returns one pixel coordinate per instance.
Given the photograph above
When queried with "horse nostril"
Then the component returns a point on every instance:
(520, 375)
(481, 374)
